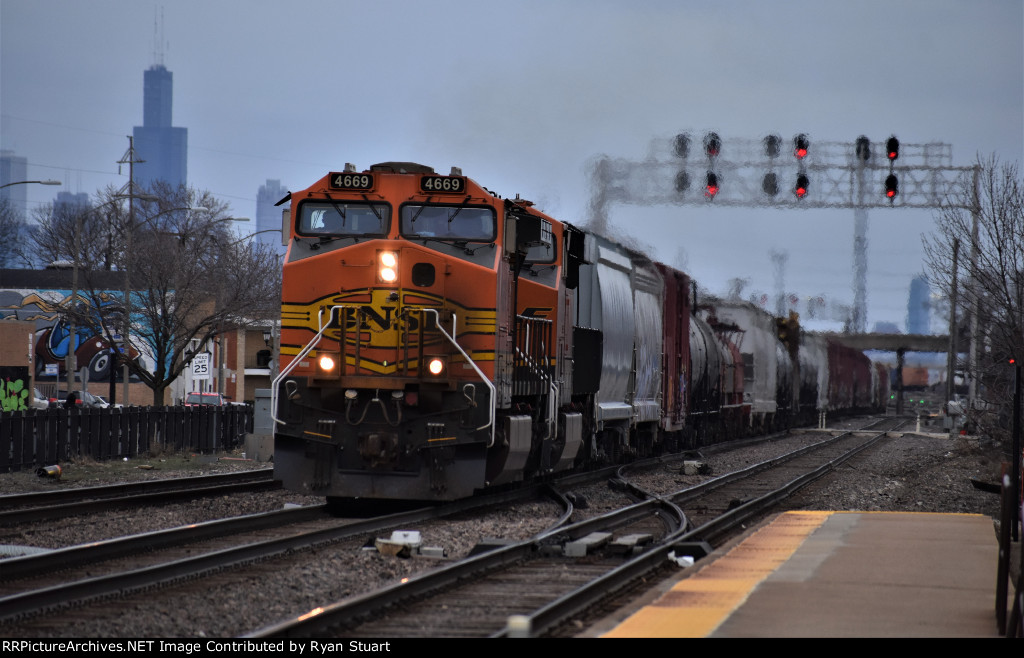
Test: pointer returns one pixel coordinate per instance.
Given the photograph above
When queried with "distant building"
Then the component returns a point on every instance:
(268, 216)
(886, 328)
(72, 201)
(163, 148)
(919, 307)
(14, 169)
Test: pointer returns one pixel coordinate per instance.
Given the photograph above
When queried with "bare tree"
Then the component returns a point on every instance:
(12, 231)
(985, 218)
(189, 278)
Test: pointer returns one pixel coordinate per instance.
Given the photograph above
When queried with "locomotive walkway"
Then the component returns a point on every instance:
(835, 574)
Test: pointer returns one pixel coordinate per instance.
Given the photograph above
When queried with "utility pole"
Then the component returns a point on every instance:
(130, 158)
(951, 357)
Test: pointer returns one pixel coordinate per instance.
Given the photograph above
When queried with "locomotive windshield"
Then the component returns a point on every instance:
(459, 223)
(344, 219)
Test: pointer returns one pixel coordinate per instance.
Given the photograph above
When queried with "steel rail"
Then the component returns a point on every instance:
(321, 619)
(614, 581)
(131, 488)
(73, 556)
(59, 511)
(168, 573)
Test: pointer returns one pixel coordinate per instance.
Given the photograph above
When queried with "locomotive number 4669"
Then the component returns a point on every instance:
(347, 181)
(451, 184)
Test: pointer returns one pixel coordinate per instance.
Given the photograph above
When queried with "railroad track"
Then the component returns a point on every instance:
(34, 595)
(542, 583)
(33, 606)
(51, 505)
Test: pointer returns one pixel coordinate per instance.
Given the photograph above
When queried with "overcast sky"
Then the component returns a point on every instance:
(523, 96)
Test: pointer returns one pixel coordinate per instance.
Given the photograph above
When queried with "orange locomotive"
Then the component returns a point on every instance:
(437, 339)
(421, 338)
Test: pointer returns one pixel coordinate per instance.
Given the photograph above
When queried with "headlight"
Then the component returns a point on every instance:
(326, 362)
(388, 271)
(435, 366)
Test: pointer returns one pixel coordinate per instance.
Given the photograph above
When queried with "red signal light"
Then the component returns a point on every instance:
(800, 146)
(712, 144)
(892, 148)
(801, 186)
(711, 185)
(891, 186)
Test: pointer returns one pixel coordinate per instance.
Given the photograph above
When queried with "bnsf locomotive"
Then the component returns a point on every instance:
(438, 339)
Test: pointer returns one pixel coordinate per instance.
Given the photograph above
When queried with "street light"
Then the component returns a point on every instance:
(26, 182)
(246, 237)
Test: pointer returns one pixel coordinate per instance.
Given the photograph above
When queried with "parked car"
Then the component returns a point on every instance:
(197, 399)
(85, 399)
(117, 405)
(39, 401)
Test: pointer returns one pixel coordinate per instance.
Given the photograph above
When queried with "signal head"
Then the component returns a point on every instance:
(712, 144)
(800, 190)
(892, 186)
(711, 185)
(682, 145)
(863, 148)
(800, 146)
(772, 146)
(770, 184)
(682, 181)
(892, 148)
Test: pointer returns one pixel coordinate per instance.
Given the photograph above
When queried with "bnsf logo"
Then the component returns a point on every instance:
(381, 318)
(382, 325)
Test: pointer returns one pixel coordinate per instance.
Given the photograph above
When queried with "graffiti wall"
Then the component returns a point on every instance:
(94, 354)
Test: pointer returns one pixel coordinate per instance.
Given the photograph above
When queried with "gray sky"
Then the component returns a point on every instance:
(523, 95)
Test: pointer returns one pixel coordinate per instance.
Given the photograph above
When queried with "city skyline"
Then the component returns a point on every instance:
(528, 112)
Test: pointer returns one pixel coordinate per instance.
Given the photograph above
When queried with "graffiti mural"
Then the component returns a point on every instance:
(14, 388)
(53, 334)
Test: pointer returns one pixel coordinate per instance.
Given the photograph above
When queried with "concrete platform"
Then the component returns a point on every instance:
(836, 574)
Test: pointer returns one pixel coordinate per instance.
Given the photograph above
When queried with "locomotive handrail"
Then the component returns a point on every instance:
(319, 335)
(494, 391)
(552, 390)
(298, 357)
(538, 367)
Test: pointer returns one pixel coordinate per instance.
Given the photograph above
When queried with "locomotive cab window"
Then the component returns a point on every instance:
(457, 223)
(544, 251)
(344, 219)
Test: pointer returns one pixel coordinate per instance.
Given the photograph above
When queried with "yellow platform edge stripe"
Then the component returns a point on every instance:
(697, 605)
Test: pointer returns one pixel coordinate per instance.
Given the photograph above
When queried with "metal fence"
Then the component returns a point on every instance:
(35, 437)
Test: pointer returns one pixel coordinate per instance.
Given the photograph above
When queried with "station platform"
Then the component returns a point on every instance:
(834, 574)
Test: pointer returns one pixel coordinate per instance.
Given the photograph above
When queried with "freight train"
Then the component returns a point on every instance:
(438, 339)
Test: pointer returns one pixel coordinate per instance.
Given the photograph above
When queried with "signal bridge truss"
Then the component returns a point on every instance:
(774, 173)
(836, 176)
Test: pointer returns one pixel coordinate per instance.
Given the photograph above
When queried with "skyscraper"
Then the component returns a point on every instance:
(163, 148)
(268, 216)
(13, 169)
(918, 307)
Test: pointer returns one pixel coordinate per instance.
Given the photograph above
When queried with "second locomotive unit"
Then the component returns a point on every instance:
(437, 339)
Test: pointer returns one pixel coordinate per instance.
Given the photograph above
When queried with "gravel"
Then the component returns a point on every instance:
(911, 472)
